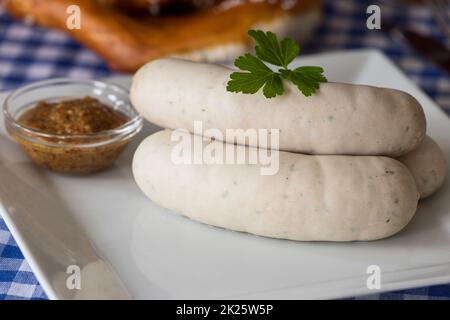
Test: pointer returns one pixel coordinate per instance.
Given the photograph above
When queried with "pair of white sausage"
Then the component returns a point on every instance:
(335, 198)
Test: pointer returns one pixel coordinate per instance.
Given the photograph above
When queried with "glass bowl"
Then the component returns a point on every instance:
(82, 153)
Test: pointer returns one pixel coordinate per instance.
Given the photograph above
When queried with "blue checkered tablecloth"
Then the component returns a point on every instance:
(29, 53)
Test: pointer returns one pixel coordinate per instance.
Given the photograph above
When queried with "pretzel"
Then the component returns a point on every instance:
(127, 42)
(137, 6)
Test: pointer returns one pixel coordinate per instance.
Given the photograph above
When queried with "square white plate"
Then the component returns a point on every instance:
(103, 222)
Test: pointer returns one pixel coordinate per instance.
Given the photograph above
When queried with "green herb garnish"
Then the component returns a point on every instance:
(258, 75)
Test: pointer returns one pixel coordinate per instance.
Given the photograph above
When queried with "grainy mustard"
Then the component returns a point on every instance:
(74, 124)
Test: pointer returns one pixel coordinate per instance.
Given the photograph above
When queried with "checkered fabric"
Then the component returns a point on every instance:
(29, 53)
(17, 281)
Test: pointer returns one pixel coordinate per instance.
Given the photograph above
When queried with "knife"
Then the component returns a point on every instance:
(427, 46)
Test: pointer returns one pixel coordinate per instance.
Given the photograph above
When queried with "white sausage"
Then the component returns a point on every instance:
(334, 198)
(427, 165)
(338, 119)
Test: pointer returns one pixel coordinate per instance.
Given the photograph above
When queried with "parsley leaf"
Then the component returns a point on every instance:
(270, 50)
(281, 54)
(259, 75)
(307, 79)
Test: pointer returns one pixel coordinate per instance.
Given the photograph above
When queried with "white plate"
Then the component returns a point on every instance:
(59, 220)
